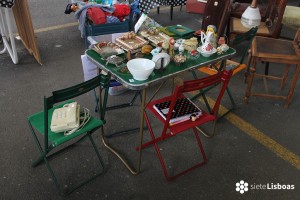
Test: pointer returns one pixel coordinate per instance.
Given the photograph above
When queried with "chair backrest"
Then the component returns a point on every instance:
(75, 91)
(239, 6)
(296, 42)
(216, 14)
(245, 39)
(199, 84)
(275, 16)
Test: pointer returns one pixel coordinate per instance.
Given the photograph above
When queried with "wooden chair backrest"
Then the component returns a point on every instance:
(216, 13)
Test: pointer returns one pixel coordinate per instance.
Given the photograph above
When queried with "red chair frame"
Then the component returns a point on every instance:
(188, 86)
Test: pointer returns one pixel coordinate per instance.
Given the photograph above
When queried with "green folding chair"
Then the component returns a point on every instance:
(40, 123)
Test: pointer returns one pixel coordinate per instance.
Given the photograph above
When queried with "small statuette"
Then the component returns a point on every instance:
(181, 49)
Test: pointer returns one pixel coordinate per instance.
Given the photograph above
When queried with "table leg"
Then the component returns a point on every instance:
(108, 146)
(141, 128)
(252, 73)
(293, 84)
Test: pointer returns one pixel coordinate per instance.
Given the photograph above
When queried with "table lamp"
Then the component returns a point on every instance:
(251, 17)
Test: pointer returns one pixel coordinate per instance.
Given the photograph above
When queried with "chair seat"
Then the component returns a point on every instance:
(236, 27)
(291, 16)
(37, 121)
(211, 70)
(182, 126)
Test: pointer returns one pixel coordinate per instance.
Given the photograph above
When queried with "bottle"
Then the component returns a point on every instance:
(181, 49)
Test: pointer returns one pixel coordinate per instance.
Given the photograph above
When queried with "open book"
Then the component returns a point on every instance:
(183, 110)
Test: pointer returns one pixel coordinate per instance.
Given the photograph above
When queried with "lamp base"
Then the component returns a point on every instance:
(251, 17)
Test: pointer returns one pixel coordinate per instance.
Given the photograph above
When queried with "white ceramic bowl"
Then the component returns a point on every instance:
(207, 53)
(140, 68)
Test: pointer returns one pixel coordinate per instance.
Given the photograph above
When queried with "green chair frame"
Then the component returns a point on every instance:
(40, 123)
(245, 37)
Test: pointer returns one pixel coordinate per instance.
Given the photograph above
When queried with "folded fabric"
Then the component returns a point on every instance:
(81, 15)
(112, 19)
(121, 10)
(96, 15)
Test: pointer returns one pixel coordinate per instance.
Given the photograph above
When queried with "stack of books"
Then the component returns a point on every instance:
(182, 111)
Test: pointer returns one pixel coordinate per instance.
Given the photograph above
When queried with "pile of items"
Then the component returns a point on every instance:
(162, 45)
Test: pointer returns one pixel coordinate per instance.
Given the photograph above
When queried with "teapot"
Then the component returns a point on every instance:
(208, 38)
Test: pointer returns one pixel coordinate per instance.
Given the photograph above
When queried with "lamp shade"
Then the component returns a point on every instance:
(251, 17)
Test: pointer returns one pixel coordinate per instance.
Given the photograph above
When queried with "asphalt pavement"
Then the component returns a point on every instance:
(257, 143)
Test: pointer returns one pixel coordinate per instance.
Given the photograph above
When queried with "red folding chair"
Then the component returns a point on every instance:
(221, 78)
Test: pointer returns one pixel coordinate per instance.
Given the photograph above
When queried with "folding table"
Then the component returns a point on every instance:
(157, 76)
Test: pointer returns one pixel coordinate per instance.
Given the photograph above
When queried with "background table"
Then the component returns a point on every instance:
(146, 5)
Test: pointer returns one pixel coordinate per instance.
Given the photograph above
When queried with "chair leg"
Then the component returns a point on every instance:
(171, 10)
(43, 157)
(284, 78)
(155, 141)
(212, 134)
(249, 86)
(233, 105)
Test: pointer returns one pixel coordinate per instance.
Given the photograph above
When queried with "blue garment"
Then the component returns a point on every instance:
(135, 7)
(81, 15)
(112, 19)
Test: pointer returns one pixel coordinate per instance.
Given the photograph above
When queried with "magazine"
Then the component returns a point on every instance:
(183, 110)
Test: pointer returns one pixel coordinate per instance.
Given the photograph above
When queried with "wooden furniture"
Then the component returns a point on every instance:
(274, 51)
(269, 28)
(25, 28)
(239, 6)
(216, 13)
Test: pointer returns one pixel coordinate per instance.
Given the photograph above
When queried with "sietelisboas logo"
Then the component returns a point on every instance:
(241, 187)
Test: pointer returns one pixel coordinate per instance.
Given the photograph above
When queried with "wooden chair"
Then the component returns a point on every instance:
(216, 13)
(170, 130)
(39, 124)
(269, 28)
(274, 51)
(239, 6)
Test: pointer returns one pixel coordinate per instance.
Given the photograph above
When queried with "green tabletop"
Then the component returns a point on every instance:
(157, 75)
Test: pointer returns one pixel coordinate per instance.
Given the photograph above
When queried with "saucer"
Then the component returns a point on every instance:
(207, 53)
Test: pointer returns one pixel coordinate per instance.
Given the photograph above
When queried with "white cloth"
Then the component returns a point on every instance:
(90, 69)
